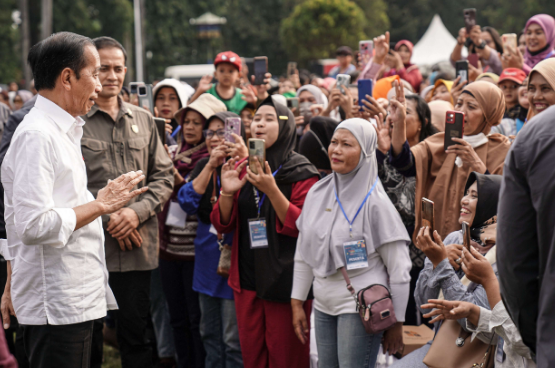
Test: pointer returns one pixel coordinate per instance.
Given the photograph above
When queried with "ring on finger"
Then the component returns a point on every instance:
(458, 261)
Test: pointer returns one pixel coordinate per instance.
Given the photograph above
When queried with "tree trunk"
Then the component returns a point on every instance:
(25, 41)
(46, 19)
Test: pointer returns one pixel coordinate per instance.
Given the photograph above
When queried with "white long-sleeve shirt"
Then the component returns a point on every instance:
(59, 274)
(390, 266)
(498, 321)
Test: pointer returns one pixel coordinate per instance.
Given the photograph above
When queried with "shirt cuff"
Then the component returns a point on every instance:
(69, 223)
(4, 250)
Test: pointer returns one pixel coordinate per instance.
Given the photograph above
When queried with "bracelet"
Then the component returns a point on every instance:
(224, 194)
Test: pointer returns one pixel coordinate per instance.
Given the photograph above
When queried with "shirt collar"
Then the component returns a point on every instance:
(122, 109)
(60, 116)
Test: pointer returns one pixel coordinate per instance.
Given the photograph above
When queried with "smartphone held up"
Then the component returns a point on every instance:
(260, 70)
(454, 127)
(427, 214)
(366, 51)
(257, 151)
(232, 126)
(343, 81)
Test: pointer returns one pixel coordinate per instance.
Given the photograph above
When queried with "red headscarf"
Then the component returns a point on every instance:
(409, 46)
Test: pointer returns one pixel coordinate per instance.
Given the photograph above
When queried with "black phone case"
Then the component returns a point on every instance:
(258, 73)
(454, 125)
(461, 68)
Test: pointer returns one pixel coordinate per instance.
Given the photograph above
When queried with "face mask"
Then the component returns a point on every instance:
(304, 110)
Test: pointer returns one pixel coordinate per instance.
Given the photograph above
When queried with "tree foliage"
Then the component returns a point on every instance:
(316, 28)
(9, 44)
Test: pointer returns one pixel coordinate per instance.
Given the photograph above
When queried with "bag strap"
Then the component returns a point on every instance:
(349, 286)
(319, 141)
(213, 201)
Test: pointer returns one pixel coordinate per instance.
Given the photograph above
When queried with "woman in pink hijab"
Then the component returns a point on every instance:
(540, 40)
(404, 68)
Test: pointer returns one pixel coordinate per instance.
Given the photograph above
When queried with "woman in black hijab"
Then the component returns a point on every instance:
(266, 206)
(315, 142)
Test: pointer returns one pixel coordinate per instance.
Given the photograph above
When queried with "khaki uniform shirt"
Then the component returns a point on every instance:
(111, 149)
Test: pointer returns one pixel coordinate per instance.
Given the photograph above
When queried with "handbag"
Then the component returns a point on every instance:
(224, 264)
(374, 306)
(452, 348)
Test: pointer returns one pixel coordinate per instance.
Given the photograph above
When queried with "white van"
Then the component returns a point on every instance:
(189, 73)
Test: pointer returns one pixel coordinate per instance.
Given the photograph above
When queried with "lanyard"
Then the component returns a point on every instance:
(360, 208)
(260, 201)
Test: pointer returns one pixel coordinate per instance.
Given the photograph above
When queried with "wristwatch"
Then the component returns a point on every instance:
(481, 46)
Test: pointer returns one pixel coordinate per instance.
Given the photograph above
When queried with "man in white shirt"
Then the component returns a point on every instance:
(55, 247)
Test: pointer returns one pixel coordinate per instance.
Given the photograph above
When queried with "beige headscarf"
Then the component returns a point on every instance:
(437, 176)
(439, 109)
(546, 69)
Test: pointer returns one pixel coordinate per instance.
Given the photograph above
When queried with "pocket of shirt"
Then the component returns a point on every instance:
(97, 161)
(138, 154)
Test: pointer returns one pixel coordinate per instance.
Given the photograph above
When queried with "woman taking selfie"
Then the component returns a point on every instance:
(262, 208)
(328, 220)
(218, 323)
(401, 189)
(541, 87)
(442, 276)
(178, 231)
(440, 174)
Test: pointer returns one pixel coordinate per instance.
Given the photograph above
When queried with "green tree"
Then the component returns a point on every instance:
(316, 28)
(377, 20)
(9, 44)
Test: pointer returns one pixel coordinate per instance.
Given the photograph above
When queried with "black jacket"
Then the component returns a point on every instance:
(526, 235)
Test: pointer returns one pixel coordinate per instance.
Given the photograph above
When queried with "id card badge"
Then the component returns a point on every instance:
(176, 216)
(355, 254)
(257, 232)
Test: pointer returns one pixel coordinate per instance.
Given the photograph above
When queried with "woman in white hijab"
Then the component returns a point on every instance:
(344, 208)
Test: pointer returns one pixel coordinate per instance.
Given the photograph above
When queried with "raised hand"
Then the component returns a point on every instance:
(434, 250)
(398, 105)
(384, 137)
(457, 88)
(381, 48)
(445, 309)
(230, 176)
(476, 267)
(118, 192)
(205, 83)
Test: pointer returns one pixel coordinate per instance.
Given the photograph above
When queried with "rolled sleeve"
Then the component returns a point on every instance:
(68, 224)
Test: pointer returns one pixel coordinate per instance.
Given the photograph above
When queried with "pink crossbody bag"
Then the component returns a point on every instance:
(374, 305)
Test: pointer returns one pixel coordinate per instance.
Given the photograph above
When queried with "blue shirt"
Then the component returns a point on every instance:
(207, 251)
(333, 73)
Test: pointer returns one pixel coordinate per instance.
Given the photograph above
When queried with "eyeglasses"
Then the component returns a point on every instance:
(208, 134)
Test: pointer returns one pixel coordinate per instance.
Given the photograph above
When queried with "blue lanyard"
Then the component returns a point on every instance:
(176, 130)
(360, 208)
(257, 194)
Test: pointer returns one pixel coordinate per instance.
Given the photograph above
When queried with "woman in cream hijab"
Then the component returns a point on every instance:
(541, 87)
(441, 175)
(353, 190)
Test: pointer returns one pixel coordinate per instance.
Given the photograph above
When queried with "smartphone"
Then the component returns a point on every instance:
(343, 81)
(473, 59)
(454, 127)
(427, 214)
(291, 68)
(461, 68)
(145, 97)
(232, 125)
(133, 86)
(161, 127)
(293, 103)
(469, 19)
(257, 151)
(366, 50)
(509, 39)
(466, 235)
(260, 69)
(365, 87)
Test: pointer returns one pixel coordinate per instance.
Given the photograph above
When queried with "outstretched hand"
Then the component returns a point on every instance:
(118, 192)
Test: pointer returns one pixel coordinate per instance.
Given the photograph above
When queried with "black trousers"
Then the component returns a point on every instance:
(64, 346)
(132, 292)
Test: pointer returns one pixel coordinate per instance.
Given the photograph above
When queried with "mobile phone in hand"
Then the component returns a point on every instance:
(257, 151)
(466, 235)
(427, 215)
(366, 50)
(454, 127)
(469, 19)
(509, 39)
(343, 81)
(365, 87)
(232, 125)
(461, 68)
(161, 127)
(145, 97)
(293, 103)
(260, 70)
(291, 68)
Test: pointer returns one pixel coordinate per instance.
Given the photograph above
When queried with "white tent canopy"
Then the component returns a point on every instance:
(436, 45)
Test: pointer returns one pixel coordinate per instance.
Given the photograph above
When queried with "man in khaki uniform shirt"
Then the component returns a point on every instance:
(119, 137)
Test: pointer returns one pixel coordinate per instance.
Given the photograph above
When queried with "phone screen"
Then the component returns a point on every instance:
(260, 69)
(462, 70)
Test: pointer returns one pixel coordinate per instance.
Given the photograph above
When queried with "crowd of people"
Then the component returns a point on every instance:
(231, 259)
